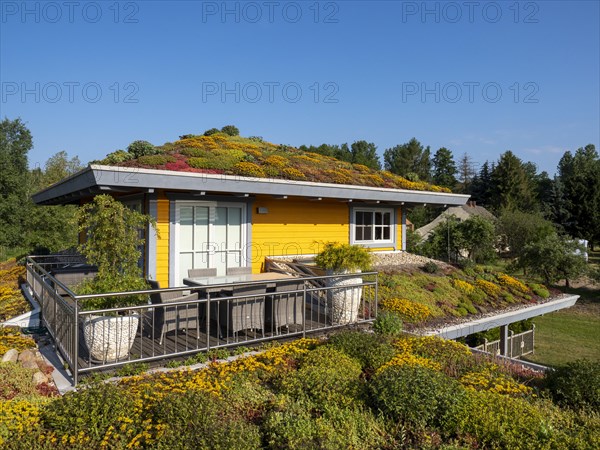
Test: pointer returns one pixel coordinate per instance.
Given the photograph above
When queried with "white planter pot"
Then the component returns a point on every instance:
(343, 303)
(109, 338)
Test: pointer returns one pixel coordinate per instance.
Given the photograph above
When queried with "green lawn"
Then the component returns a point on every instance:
(570, 334)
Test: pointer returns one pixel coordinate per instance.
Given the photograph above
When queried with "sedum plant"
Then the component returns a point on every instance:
(340, 257)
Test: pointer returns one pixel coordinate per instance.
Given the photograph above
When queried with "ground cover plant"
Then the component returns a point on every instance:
(12, 302)
(390, 393)
(420, 297)
(225, 152)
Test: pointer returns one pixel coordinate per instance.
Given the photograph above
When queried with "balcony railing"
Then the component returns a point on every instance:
(181, 321)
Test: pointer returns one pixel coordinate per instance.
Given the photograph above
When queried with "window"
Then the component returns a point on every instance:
(373, 226)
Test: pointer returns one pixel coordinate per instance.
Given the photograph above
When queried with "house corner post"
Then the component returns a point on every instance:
(152, 238)
(403, 209)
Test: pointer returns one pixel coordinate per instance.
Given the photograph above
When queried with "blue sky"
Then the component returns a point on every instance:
(483, 78)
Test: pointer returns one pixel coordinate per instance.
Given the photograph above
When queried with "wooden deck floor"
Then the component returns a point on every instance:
(180, 344)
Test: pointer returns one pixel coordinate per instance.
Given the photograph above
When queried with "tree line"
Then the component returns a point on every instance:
(570, 199)
(24, 227)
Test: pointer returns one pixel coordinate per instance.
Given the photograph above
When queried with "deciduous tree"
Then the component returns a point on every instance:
(15, 143)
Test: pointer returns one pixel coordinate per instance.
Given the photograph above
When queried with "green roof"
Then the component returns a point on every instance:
(253, 157)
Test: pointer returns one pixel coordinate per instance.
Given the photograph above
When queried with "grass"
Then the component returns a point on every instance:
(570, 334)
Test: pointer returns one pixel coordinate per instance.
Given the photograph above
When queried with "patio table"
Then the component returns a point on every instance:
(230, 279)
(240, 313)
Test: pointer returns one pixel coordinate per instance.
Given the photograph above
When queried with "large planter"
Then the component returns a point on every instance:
(343, 303)
(110, 338)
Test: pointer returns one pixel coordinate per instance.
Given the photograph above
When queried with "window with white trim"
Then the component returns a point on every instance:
(373, 226)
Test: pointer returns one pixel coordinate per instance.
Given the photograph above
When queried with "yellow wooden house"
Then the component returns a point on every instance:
(222, 221)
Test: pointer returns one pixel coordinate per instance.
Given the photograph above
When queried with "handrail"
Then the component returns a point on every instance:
(64, 313)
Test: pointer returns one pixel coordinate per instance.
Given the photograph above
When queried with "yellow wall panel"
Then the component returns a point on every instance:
(296, 226)
(162, 242)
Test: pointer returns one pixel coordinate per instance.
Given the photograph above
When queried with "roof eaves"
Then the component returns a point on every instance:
(128, 177)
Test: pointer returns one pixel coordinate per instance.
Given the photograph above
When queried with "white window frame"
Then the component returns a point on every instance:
(391, 242)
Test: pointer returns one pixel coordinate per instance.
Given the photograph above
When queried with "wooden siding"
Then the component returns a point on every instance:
(162, 241)
(292, 226)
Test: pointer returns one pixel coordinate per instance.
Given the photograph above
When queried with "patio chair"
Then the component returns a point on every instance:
(239, 270)
(199, 273)
(242, 313)
(285, 307)
(172, 318)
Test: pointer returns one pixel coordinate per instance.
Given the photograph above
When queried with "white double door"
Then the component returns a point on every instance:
(209, 235)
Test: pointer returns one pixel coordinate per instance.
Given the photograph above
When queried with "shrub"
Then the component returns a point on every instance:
(326, 375)
(467, 306)
(576, 384)
(15, 381)
(117, 157)
(211, 131)
(371, 350)
(409, 311)
(388, 323)
(431, 267)
(498, 421)
(338, 257)
(477, 296)
(463, 286)
(294, 425)
(18, 417)
(494, 381)
(293, 174)
(277, 161)
(230, 130)
(92, 411)
(455, 358)
(465, 264)
(489, 288)
(11, 337)
(416, 396)
(540, 290)
(248, 169)
(200, 420)
(512, 283)
(156, 160)
(142, 148)
(212, 163)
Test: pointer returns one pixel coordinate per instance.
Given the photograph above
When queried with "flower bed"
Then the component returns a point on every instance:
(311, 394)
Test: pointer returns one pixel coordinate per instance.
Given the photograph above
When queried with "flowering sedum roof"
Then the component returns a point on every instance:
(253, 157)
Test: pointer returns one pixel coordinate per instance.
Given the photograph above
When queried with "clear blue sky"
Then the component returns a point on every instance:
(90, 77)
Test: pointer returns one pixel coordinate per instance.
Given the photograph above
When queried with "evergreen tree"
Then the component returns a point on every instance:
(558, 211)
(580, 177)
(466, 173)
(444, 168)
(512, 187)
(481, 188)
(408, 160)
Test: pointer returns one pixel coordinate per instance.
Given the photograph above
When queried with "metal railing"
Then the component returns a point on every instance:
(180, 321)
(518, 345)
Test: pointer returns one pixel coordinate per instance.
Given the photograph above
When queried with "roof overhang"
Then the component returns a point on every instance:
(97, 179)
(487, 323)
